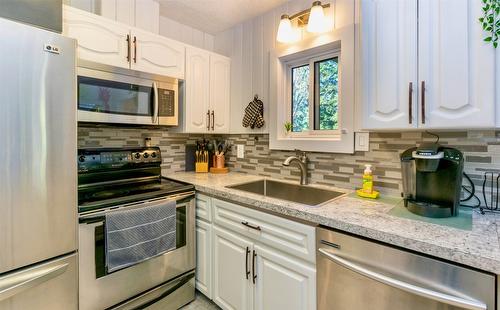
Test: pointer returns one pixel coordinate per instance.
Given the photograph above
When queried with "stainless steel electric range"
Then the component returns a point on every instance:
(113, 179)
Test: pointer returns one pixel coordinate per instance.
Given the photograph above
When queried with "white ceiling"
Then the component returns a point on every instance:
(213, 16)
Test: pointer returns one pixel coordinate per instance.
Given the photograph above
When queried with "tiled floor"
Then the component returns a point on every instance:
(201, 303)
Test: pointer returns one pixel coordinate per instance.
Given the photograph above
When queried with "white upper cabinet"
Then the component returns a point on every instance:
(389, 58)
(144, 14)
(455, 65)
(196, 108)
(105, 41)
(99, 39)
(220, 77)
(207, 103)
(450, 84)
(156, 54)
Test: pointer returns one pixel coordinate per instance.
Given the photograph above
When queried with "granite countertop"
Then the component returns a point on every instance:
(478, 248)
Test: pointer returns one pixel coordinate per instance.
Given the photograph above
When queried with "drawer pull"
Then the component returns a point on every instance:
(251, 226)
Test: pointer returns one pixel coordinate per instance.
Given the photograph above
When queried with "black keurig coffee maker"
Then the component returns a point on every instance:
(432, 180)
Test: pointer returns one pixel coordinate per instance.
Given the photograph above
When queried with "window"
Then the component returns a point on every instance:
(326, 94)
(311, 94)
(300, 98)
(314, 90)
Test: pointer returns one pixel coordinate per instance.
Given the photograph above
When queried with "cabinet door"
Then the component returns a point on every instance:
(232, 289)
(204, 258)
(456, 66)
(197, 90)
(99, 39)
(220, 76)
(283, 282)
(389, 63)
(204, 207)
(156, 54)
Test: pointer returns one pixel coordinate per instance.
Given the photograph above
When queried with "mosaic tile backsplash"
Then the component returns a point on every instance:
(481, 150)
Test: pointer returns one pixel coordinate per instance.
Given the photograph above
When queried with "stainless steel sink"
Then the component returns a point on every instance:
(292, 192)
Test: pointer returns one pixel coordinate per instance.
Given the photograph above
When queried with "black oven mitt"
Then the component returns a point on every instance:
(254, 114)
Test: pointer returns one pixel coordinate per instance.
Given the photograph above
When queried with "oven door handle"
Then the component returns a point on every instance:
(405, 286)
(95, 214)
(155, 100)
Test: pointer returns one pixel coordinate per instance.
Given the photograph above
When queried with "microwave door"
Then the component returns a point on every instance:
(111, 98)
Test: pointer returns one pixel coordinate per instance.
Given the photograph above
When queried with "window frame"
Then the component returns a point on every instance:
(311, 60)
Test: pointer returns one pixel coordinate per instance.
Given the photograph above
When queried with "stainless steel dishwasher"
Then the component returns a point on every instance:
(354, 273)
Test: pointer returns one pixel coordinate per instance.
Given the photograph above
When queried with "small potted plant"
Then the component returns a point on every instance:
(288, 127)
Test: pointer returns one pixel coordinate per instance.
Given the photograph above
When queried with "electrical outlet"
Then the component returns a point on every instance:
(240, 150)
(362, 141)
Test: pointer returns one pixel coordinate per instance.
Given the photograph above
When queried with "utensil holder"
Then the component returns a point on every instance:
(219, 161)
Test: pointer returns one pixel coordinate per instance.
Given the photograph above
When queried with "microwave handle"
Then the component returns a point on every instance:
(155, 99)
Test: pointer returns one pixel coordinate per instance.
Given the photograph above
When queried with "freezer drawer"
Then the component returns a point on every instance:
(51, 285)
(355, 273)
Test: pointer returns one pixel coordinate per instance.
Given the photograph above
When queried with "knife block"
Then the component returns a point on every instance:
(201, 167)
(201, 164)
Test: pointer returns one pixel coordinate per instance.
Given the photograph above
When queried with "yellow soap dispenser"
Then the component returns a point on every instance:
(367, 189)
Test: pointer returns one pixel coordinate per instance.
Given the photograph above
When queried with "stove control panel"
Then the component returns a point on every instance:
(115, 158)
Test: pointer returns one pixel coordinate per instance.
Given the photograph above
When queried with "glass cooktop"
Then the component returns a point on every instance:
(97, 197)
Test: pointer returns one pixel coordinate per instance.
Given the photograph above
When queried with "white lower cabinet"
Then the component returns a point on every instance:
(233, 288)
(204, 257)
(249, 269)
(283, 282)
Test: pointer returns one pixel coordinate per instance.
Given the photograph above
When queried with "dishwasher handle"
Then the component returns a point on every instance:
(408, 287)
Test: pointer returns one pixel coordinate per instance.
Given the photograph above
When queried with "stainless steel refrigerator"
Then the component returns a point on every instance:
(38, 190)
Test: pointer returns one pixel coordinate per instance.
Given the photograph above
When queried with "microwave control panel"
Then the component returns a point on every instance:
(166, 102)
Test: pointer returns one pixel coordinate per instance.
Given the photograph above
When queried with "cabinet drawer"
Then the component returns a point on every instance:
(203, 209)
(285, 235)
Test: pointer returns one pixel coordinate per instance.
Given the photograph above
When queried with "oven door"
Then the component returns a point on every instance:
(100, 290)
(105, 97)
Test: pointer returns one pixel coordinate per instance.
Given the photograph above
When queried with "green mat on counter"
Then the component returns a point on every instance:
(462, 221)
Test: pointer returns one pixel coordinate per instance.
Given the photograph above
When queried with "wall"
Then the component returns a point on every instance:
(189, 35)
(119, 10)
(248, 45)
(481, 150)
(172, 145)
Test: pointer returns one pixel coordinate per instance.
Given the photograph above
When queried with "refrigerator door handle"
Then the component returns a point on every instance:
(20, 281)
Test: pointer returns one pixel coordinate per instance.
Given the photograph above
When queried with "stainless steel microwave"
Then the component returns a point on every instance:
(109, 97)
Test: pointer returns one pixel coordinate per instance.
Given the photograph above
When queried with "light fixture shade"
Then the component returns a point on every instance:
(286, 34)
(317, 22)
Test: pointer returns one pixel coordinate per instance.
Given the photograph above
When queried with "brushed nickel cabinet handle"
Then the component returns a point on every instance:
(247, 270)
(422, 92)
(208, 120)
(213, 119)
(128, 48)
(254, 276)
(251, 226)
(410, 103)
(135, 49)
